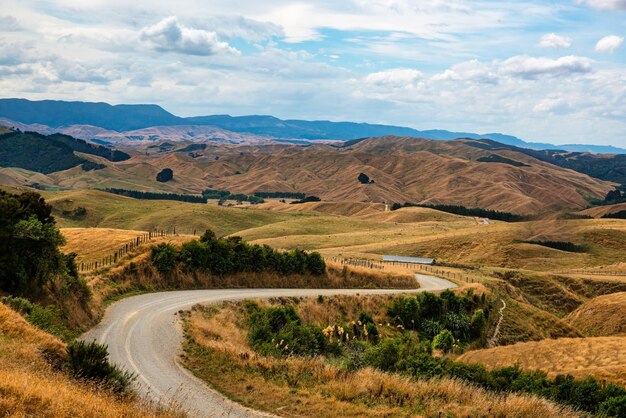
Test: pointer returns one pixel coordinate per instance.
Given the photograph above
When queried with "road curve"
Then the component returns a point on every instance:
(144, 336)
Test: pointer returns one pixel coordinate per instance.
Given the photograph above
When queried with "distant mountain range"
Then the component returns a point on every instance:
(121, 118)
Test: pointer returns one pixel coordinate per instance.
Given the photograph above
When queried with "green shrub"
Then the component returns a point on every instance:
(279, 331)
(316, 264)
(208, 236)
(406, 311)
(89, 361)
(372, 332)
(47, 318)
(478, 323)
(384, 356)
(444, 341)
(613, 407)
(164, 257)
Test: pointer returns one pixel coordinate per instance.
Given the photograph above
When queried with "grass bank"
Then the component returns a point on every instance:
(217, 350)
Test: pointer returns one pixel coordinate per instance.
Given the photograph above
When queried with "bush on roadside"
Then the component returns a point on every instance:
(46, 318)
(89, 362)
(444, 341)
(223, 256)
(279, 332)
(164, 257)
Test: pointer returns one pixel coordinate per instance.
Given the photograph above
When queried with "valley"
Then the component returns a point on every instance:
(549, 276)
(313, 209)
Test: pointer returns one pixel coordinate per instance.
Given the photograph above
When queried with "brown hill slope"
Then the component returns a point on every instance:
(601, 316)
(600, 211)
(402, 170)
(407, 169)
(32, 385)
(600, 357)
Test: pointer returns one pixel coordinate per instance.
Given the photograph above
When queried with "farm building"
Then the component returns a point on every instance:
(410, 260)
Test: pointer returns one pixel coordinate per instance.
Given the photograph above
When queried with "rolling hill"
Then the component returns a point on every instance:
(49, 154)
(600, 357)
(609, 167)
(401, 169)
(601, 316)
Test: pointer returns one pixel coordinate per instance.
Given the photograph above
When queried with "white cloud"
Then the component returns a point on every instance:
(396, 78)
(228, 27)
(555, 104)
(469, 70)
(609, 44)
(169, 35)
(605, 4)
(552, 40)
(533, 67)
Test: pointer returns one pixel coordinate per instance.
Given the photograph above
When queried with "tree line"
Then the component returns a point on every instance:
(616, 215)
(157, 196)
(463, 211)
(223, 195)
(280, 195)
(223, 256)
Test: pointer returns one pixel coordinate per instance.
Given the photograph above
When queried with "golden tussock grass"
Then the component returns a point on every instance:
(33, 394)
(32, 384)
(92, 244)
(601, 316)
(216, 351)
(600, 357)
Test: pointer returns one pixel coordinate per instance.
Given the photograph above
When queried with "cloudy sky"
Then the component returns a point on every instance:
(544, 71)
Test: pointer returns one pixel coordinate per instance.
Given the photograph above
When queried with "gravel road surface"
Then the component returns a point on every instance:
(144, 336)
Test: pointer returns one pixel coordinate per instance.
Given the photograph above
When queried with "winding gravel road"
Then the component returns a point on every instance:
(144, 336)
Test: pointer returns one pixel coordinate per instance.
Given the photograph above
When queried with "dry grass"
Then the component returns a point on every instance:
(217, 352)
(600, 357)
(362, 230)
(32, 385)
(601, 316)
(92, 244)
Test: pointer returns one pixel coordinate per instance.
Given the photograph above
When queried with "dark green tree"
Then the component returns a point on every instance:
(29, 244)
(165, 175)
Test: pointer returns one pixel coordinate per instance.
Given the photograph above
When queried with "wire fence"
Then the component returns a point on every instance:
(418, 268)
(123, 250)
(595, 272)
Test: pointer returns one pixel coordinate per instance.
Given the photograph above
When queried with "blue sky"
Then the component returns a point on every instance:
(543, 71)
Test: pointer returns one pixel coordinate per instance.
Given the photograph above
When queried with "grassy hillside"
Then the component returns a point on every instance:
(609, 167)
(218, 351)
(32, 385)
(402, 170)
(600, 211)
(601, 316)
(48, 154)
(92, 244)
(600, 357)
(367, 232)
(107, 210)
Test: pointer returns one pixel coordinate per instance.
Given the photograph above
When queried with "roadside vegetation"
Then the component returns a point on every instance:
(223, 256)
(44, 307)
(36, 378)
(319, 356)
